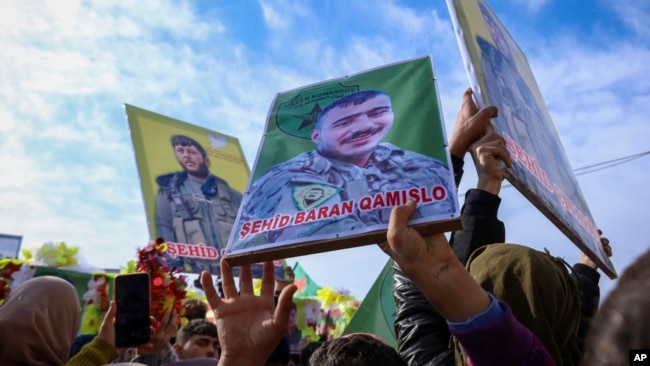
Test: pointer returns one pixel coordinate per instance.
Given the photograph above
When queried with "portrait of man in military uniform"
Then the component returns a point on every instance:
(521, 118)
(350, 161)
(194, 206)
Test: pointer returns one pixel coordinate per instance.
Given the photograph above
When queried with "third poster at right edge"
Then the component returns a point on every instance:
(500, 75)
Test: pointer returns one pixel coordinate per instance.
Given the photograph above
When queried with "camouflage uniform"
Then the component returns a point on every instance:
(191, 212)
(278, 191)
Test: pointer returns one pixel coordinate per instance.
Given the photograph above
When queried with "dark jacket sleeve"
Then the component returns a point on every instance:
(422, 334)
(480, 224)
(588, 279)
(457, 166)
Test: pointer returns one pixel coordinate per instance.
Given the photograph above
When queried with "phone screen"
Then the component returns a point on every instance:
(132, 316)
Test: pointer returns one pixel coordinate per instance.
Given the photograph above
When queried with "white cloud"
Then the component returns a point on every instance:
(282, 15)
(273, 18)
(635, 14)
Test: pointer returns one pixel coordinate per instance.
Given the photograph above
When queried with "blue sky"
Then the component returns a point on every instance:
(67, 168)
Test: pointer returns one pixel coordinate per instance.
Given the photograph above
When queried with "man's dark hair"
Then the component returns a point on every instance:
(195, 309)
(307, 351)
(196, 327)
(183, 140)
(350, 99)
(356, 350)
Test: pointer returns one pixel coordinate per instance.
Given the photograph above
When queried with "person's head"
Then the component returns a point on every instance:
(39, 322)
(307, 351)
(622, 322)
(356, 350)
(292, 317)
(350, 128)
(194, 308)
(197, 339)
(549, 308)
(191, 156)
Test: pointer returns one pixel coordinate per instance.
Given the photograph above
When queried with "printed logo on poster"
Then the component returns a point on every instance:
(312, 195)
(298, 116)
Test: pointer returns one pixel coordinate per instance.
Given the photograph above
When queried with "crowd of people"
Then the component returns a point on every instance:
(469, 300)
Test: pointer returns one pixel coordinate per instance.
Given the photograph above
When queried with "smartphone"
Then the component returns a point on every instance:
(132, 296)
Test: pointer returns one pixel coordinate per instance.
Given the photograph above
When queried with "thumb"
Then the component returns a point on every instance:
(109, 318)
(107, 328)
(210, 292)
(467, 99)
(398, 224)
(283, 309)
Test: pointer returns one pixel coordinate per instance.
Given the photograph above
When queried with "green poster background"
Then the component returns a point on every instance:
(414, 101)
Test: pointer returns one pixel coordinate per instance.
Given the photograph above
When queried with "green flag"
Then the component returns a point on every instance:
(376, 314)
(306, 286)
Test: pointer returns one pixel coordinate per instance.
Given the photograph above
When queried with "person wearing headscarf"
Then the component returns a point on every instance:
(38, 323)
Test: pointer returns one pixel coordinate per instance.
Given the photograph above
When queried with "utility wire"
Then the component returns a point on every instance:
(598, 166)
(608, 164)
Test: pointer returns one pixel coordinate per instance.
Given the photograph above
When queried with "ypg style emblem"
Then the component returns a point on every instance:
(297, 116)
(312, 195)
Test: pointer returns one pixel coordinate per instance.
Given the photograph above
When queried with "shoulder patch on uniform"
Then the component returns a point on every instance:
(308, 196)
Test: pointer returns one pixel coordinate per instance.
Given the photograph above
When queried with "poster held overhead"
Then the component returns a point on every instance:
(337, 156)
(499, 75)
(191, 179)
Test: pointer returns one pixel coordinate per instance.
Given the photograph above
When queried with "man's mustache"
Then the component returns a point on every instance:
(356, 135)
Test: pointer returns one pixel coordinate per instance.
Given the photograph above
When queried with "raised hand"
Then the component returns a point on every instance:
(433, 267)
(486, 153)
(416, 255)
(249, 326)
(606, 247)
(471, 124)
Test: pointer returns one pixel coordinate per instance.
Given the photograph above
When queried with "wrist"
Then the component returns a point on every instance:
(225, 360)
(453, 292)
(457, 149)
(584, 259)
(491, 185)
(434, 270)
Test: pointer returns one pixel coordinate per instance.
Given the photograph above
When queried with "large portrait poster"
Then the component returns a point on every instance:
(192, 181)
(500, 75)
(337, 156)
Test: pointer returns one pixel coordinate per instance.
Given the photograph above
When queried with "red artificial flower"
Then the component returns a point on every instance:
(167, 284)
